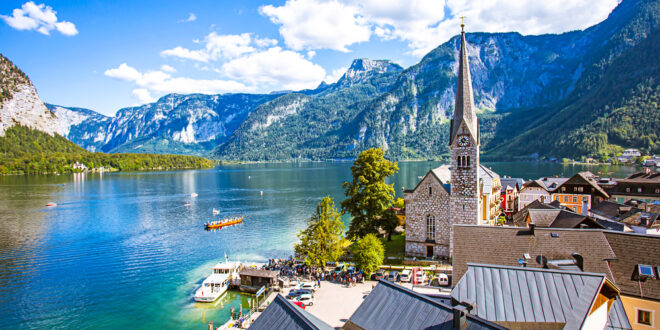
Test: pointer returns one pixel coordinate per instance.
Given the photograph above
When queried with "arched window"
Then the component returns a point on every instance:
(430, 227)
(468, 161)
(430, 191)
(458, 161)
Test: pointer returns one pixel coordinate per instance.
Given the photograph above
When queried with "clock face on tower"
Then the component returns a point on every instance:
(463, 140)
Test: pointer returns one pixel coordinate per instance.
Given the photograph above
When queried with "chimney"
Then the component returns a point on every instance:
(469, 304)
(579, 260)
(531, 228)
(460, 316)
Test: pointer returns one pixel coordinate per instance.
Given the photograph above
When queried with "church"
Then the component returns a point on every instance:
(464, 192)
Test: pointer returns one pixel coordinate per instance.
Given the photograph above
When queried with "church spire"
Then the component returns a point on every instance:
(464, 109)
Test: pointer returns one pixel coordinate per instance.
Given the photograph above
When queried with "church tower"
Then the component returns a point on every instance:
(464, 145)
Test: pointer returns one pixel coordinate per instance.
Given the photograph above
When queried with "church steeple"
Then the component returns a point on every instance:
(464, 109)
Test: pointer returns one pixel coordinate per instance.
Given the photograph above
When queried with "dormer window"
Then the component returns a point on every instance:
(645, 271)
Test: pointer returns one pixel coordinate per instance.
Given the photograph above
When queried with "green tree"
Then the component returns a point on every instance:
(368, 254)
(368, 195)
(399, 203)
(388, 222)
(322, 240)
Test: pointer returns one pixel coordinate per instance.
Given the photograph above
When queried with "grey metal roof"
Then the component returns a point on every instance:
(522, 294)
(617, 318)
(391, 306)
(282, 314)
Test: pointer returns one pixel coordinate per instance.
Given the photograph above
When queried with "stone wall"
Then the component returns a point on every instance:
(421, 203)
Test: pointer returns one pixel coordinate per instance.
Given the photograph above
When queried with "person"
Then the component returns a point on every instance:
(318, 282)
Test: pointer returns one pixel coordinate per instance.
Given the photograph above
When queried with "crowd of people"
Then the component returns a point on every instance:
(288, 268)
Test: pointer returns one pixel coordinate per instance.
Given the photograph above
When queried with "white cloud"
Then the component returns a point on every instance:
(159, 82)
(143, 95)
(275, 68)
(216, 47)
(316, 24)
(191, 18)
(311, 54)
(40, 18)
(336, 74)
(167, 68)
(424, 24)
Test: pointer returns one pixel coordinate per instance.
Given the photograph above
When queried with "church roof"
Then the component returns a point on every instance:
(464, 109)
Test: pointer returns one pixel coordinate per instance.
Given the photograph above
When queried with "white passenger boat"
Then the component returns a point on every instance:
(215, 285)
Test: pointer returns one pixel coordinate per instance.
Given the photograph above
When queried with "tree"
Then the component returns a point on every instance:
(368, 195)
(399, 203)
(321, 241)
(368, 254)
(388, 222)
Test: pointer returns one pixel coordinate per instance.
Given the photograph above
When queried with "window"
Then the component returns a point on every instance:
(579, 189)
(565, 199)
(627, 189)
(574, 208)
(585, 199)
(645, 271)
(639, 190)
(458, 161)
(644, 317)
(657, 191)
(430, 191)
(574, 199)
(468, 162)
(430, 227)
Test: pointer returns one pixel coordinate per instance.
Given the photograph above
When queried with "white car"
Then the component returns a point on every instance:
(406, 275)
(443, 279)
(421, 277)
(305, 299)
(309, 286)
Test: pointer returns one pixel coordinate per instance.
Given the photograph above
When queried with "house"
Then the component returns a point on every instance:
(79, 167)
(391, 306)
(535, 298)
(628, 260)
(607, 214)
(509, 192)
(463, 192)
(283, 314)
(557, 218)
(533, 190)
(629, 155)
(253, 279)
(644, 186)
(579, 193)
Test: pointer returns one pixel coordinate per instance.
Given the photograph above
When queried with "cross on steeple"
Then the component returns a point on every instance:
(462, 24)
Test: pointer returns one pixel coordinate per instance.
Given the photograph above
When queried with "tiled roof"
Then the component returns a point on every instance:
(615, 254)
(587, 178)
(283, 314)
(609, 209)
(391, 306)
(519, 217)
(506, 294)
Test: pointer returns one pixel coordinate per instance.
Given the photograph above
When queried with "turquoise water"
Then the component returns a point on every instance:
(122, 250)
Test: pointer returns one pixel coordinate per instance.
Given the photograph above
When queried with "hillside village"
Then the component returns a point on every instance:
(550, 253)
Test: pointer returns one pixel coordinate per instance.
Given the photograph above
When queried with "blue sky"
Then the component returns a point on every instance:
(105, 55)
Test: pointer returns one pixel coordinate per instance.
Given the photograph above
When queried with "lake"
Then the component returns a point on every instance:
(122, 250)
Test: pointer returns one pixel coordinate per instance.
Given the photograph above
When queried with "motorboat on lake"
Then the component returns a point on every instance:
(218, 282)
(222, 223)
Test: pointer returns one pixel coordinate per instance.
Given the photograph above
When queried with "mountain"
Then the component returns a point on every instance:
(290, 126)
(180, 124)
(20, 103)
(553, 95)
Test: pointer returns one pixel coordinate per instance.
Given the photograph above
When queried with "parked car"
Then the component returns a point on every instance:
(379, 274)
(443, 279)
(296, 293)
(311, 286)
(340, 268)
(299, 304)
(305, 299)
(420, 275)
(393, 276)
(406, 275)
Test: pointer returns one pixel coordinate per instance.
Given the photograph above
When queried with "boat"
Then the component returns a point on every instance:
(218, 282)
(222, 223)
(194, 195)
(51, 204)
(215, 212)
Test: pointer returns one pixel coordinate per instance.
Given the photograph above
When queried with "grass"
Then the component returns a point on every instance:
(396, 248)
